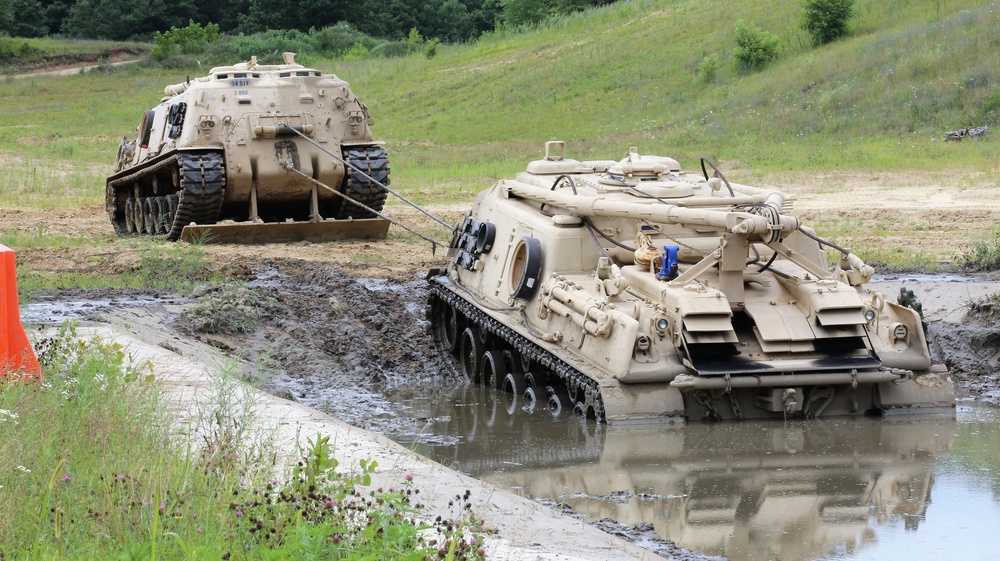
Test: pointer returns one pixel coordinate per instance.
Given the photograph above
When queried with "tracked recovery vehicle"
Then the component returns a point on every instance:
(632, 290)
(280, 152)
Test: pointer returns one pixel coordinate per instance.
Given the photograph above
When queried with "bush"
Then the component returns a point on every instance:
(984, 255)
(187, 40)
(708, 68)
(396, 49)
(826, 20)
(755, 47)
(340, 38)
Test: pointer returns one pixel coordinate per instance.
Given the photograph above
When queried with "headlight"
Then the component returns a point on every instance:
(869, 315)
(662, 324)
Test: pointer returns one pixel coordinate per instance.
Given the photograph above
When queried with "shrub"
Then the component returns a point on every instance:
(708, 68)
(755, 47)
(984, 255)
(826, 20)
(340, 38)
(187, 40)
(431, 48)
(396, 49)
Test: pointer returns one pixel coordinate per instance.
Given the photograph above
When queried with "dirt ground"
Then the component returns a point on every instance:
(340, 327)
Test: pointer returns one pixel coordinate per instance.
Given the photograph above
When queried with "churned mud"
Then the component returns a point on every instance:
(342, 328)
(358, 348)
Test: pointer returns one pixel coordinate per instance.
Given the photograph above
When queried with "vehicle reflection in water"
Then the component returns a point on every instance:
(750, 490)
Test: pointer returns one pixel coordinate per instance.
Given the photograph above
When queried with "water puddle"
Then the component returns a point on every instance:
(56, 312)
(829, 489)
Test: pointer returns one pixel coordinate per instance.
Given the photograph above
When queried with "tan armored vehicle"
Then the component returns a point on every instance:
(261, 146)
(632, 290)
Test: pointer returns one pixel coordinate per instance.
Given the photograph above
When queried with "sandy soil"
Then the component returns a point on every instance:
(355, 309)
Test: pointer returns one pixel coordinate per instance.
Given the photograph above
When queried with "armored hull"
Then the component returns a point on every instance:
(260, 146)
(632, 290)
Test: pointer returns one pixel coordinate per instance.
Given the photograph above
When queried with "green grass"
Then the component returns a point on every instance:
(622, 75)
(986, 308)
(41, 237)
(19, 54)
(90, 469)
(879, 100)
(157, 265)
(984, 255)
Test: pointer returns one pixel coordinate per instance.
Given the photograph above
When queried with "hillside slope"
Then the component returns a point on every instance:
(628, 74)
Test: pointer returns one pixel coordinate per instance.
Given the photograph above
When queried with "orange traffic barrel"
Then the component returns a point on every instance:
(17, 358)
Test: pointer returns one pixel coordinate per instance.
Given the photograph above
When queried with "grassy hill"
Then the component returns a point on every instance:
(623, 75)
(628, 74)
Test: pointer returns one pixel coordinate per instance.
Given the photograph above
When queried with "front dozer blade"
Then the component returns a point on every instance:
(282, 232)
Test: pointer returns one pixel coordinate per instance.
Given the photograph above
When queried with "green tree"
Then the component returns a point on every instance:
(262, 15)
(521, 12)
(6, 16)
(125, 19)
(22, 18)
(827, 20)
(55, 11)
(191, 39)
(755, 47)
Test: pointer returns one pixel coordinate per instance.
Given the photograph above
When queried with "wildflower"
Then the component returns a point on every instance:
(239, 513)
(329, 503)
(481, 550)
(163, 508)
(408, 476)
(9, 415)
(67, 479)
(121, 477)
(472, 541)
(198, 529)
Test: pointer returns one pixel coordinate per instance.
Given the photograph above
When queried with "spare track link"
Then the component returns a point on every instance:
(536, 354)
(373, 161)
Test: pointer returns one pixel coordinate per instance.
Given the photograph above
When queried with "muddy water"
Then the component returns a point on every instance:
(833, 489)
(829, 489)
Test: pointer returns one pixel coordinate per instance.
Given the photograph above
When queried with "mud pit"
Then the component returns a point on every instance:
(341, 327)
(358, 348)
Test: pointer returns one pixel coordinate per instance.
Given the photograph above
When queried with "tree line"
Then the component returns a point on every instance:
(445, 20)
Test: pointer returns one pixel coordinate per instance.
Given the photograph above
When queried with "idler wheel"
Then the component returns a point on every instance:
(448, 324)
(469, 351)
(492, 369)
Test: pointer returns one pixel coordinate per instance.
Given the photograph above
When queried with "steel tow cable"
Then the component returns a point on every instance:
(372, 179)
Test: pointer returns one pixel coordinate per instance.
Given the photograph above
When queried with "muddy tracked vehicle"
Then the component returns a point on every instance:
(632, 290)
(283, 151)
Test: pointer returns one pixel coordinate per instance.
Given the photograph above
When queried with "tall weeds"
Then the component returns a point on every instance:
(93, 466)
